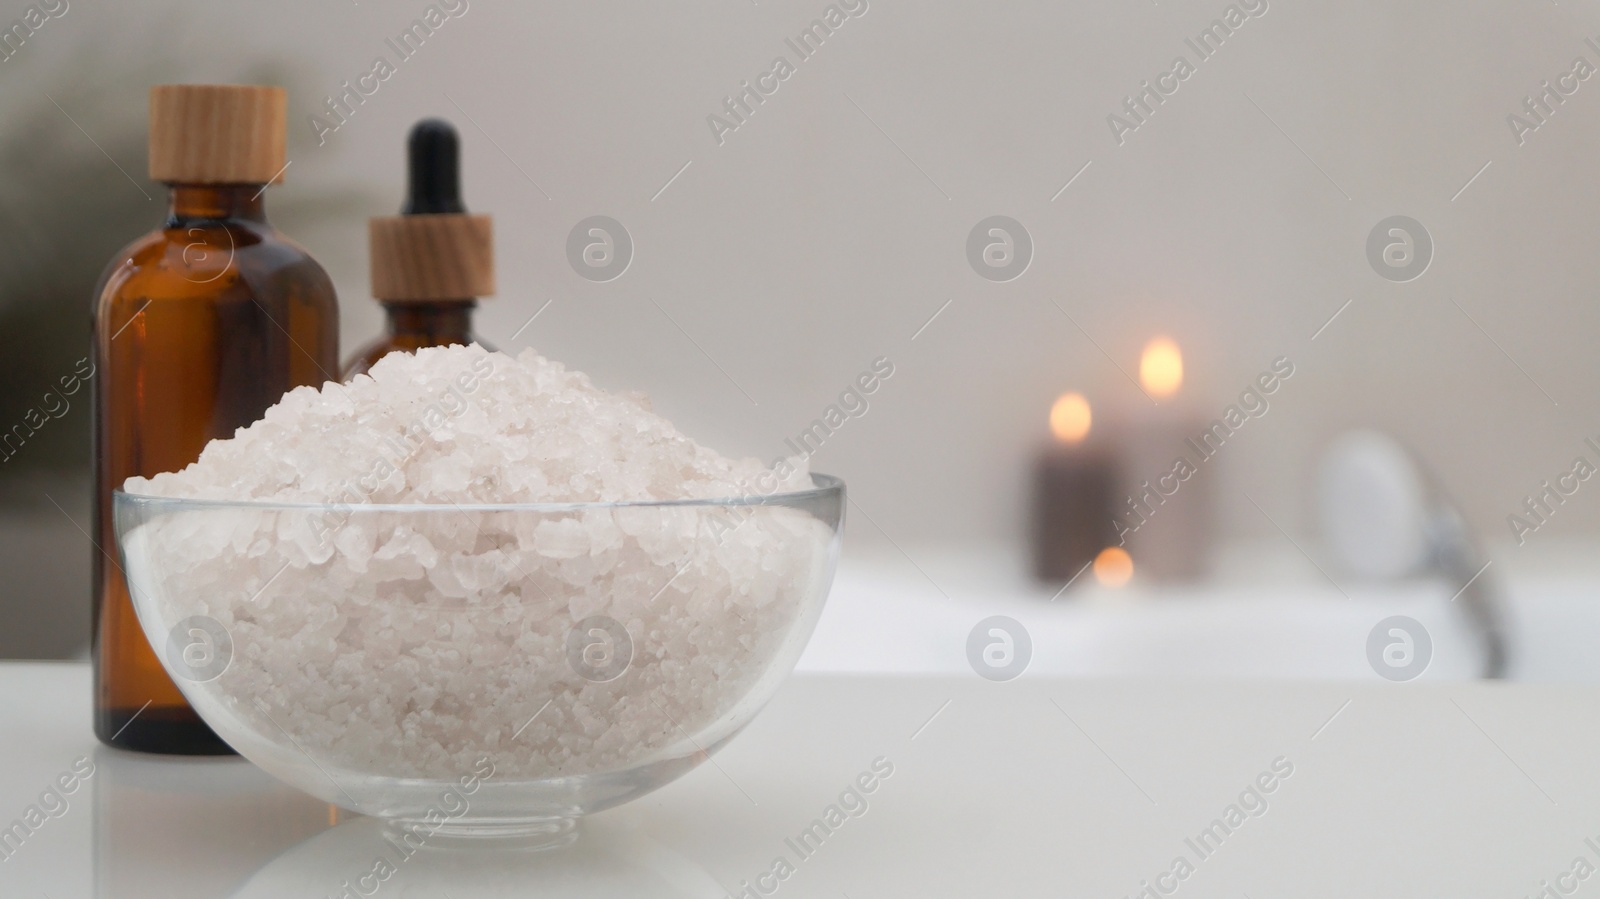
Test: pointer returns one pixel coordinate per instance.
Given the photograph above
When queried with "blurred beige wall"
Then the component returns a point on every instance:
(825, 231)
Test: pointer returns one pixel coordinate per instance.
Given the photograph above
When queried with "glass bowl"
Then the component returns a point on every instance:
(478, 670)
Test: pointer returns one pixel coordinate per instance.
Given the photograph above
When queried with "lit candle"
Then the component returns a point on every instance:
(1161, 368)
(1164, 510)
(1075, 485)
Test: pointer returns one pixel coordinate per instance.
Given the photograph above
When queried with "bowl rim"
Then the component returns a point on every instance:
(826, 485)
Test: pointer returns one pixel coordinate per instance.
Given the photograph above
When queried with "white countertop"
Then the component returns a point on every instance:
(1396, 790)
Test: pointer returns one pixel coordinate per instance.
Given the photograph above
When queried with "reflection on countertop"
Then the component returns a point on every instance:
(359, 857)
(177, 828)
(216, 820)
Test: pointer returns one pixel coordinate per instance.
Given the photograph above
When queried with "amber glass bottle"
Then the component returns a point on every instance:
(432, 261)
(199, 326)
(412, 325)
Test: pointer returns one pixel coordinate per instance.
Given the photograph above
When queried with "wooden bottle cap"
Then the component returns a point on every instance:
(433, 250)
(440, 256)
(218, 133)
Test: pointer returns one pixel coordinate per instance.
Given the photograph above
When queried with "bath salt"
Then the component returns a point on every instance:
(465, 425)
(412, 643)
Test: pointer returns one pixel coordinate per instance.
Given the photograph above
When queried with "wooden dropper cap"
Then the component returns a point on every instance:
(433, 250)
(218, 133)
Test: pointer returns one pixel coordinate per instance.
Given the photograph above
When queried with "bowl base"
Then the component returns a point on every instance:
(532, 834)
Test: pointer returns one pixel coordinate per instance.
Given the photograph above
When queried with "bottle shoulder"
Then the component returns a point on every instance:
(361, 360)
(206, 259)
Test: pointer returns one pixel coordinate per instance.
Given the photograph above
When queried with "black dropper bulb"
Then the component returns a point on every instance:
(434, 156)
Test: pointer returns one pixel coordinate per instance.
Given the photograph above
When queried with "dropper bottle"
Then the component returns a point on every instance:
(431, 262)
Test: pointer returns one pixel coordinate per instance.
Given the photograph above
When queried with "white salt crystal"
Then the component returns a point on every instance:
(412, 644)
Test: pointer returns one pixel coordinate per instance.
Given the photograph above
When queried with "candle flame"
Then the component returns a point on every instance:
(1161, 367)
(1070, 418)
(1113, 567)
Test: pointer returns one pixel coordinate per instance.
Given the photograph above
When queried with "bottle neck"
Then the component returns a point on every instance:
(210, 202)
(437, 320)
